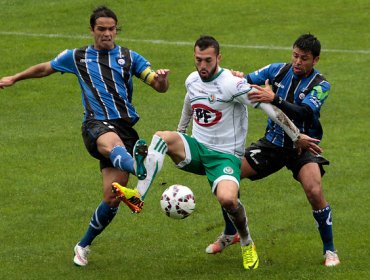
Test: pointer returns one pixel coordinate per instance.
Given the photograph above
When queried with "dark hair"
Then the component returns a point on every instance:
(205, 42)
(101, 11)
(308, 42)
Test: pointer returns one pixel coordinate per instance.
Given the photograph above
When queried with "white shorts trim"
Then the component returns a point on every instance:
(187, 159)
(224, 177)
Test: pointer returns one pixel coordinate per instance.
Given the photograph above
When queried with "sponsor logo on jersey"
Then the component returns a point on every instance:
(83, 60)
(279, 85)
(205, 116)
(242, 85)
(121, 61)
(228, 170)
(315, 101)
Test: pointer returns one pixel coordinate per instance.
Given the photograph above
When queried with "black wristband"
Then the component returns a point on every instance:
(277, 100)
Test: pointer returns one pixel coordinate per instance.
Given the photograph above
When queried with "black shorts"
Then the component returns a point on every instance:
(266, 158)
(92, 129)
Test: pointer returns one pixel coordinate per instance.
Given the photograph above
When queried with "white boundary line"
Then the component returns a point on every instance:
(179, 43)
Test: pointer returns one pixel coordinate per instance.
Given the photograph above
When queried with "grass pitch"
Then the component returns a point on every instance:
(50, 186)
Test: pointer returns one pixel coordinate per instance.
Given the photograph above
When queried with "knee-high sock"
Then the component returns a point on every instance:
(153, 163)
(101, 218)
(240, 221)
(229, 226)
(324, 223)
(121, 159)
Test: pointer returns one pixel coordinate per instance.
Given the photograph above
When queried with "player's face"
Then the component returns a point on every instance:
(206, 62)
(303, 62)
(104, 32)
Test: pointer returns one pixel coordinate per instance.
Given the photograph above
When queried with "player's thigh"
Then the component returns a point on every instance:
(192, 161)
(310, 178)
(107, 141)
(175, 145)
(220, 166)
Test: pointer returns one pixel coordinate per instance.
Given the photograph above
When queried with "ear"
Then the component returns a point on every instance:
(219, 58)
(316, 60)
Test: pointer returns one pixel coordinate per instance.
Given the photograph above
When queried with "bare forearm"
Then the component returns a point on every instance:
(36, 71)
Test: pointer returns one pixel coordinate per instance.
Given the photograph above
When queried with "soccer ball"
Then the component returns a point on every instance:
(178, 202)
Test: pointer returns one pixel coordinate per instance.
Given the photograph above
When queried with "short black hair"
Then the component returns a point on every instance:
(205, 42)
(308, 42)
(101, 11)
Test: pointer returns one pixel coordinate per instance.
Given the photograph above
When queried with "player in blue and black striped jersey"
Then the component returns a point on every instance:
(299, 91)
(105, 74)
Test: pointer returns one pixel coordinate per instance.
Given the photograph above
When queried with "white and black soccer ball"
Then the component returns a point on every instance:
(178, 201)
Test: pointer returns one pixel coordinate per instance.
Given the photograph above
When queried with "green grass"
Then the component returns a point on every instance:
(50, 186)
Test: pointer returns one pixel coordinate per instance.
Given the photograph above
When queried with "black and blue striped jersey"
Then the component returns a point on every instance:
(105, 78)
(310, 91)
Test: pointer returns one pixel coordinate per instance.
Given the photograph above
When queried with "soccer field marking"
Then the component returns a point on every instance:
(177, 43)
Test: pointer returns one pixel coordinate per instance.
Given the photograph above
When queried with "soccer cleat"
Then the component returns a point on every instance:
(222, 242)
(250, 257)
(331, 258)
(80, 258)
(140, 153)
(130, 197)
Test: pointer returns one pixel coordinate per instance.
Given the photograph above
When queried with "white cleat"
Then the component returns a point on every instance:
(222, 242)
(331, 258)
(80, 258)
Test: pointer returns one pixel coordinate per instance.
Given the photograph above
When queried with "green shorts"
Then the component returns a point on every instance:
(217, 166)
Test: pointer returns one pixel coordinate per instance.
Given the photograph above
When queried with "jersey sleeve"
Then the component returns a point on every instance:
(64, 62)
(186, 115)
(261, 75)
(241, 88)
(141, 68)
(317, 96)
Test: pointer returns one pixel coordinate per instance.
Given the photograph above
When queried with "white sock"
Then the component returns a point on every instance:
(153, 163)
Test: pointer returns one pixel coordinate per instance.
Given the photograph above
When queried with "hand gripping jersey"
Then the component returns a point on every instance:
(220, 118)
(105, 78)
(309, 91)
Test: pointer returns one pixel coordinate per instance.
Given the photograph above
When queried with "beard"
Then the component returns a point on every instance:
(205, 75)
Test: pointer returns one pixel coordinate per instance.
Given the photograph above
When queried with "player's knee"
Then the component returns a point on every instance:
(167, 136)
(228, 203)
(314, 193)
(171, 138)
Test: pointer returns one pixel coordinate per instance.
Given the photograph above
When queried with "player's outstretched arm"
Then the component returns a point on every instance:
(160, 80)
(37, 71)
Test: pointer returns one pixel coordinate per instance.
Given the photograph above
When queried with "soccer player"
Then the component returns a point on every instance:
(104, 71)
(299, 91)
(218, 100)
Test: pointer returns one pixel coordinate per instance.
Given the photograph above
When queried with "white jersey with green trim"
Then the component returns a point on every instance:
(220, 117)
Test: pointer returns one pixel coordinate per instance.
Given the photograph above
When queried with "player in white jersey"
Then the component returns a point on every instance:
(220, 118)
(217, 100)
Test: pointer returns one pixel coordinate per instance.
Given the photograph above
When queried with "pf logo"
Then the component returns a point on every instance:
(205, 116)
